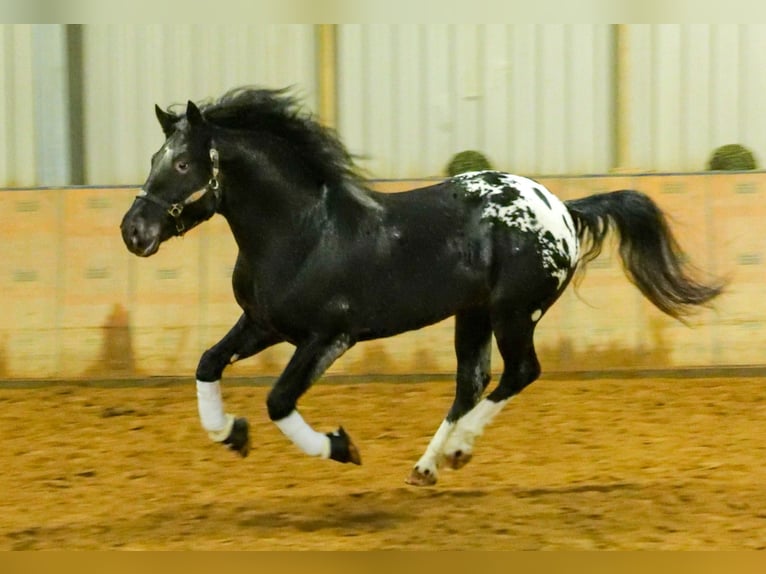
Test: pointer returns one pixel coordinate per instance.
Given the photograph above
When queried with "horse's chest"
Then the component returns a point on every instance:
(249, 293)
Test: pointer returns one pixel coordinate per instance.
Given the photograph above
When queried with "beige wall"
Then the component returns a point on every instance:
(76, 304)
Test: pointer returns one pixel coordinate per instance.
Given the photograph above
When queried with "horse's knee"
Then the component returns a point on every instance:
(210, 367)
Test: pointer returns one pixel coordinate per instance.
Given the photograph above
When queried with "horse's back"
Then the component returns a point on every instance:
(517, 210)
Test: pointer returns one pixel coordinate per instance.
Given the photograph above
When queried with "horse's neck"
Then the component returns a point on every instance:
(254, 186)
(273, 204)
(263, 218)
(270, 221)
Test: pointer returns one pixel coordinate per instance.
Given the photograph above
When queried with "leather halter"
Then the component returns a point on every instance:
(175, 210)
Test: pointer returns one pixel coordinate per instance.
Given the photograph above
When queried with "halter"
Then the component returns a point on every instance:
(175, 210)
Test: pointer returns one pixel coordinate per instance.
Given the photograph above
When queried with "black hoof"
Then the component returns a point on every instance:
(239, 437)
(342, 449)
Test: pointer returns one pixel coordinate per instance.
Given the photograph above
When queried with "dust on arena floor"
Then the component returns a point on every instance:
(642, 463)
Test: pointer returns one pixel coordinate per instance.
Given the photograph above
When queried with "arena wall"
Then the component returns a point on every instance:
(77, 305)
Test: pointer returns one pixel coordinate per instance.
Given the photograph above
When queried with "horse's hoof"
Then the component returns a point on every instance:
(418, 478)
(342, 449)
(458, 459)
(239, 437)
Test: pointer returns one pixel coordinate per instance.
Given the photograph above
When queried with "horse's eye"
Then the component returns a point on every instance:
(182, 166)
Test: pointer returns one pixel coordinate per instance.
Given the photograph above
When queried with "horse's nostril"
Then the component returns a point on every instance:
(134, 231)
(131, 233)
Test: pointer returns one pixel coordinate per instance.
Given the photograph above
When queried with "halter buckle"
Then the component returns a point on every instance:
(175, 210)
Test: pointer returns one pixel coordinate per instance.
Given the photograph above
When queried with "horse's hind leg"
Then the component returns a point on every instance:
(514, 335)
(242, 341)
(473, 346)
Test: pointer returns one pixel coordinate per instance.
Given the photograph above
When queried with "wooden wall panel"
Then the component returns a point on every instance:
(81, 306)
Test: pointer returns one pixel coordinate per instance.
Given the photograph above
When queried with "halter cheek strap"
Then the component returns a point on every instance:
(175, 210)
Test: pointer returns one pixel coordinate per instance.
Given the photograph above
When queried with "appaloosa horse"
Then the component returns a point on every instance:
(325, 262)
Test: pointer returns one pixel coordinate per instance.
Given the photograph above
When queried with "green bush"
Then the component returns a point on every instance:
(731, 157)
(468, 160)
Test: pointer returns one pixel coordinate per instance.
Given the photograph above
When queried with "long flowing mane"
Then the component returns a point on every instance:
(281, 114)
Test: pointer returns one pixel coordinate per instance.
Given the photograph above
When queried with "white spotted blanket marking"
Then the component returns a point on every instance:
(526, 205)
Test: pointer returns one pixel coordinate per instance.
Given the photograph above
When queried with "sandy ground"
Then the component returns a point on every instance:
(600, 464)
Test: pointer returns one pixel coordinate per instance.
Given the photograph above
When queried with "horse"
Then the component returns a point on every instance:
(325, 262)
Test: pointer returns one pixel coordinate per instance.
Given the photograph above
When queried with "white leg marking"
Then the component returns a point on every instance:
(433, 456)
(307, 439)
(471, 425)
(210, 405)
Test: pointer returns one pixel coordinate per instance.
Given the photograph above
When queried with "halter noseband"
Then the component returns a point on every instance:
(175, 210)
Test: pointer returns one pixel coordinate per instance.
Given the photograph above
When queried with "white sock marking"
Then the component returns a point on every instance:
(307, 439)
(212, 416)
(471, 425)
(210, 405)
(433, 455)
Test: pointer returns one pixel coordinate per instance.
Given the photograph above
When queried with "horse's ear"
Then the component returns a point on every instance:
(193, 115)
(167, 121)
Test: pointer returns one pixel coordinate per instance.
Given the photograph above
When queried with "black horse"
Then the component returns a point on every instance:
(324, 262)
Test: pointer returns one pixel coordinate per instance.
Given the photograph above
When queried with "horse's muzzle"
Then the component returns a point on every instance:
(141, 239)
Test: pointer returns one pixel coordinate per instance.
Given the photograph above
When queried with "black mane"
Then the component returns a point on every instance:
(280, 113)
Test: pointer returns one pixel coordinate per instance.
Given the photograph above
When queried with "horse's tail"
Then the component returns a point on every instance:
(651, 256)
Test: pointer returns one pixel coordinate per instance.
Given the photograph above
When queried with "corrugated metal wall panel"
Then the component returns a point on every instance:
(753, 130)
(407, 41)
(51, 99)
(695, 69)
(129, 68)
(523, 127)
(667, 95)
(17, 111)
(537, 99)
(694, 88)
(522, 94)
(497, 89)
(436, 103)
(641, 109)
(726, 83)
(552, 95)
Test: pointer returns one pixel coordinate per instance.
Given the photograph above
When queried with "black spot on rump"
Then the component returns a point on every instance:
(493, 178)
(507, 198)
(541, 195)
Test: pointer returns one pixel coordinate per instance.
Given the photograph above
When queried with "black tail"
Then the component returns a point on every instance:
(651, 256)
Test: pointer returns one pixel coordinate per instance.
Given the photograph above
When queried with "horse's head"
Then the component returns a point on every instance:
(182, 189)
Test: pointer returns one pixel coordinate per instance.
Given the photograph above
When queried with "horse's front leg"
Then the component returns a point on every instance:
(243, 340)
(307, 364)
